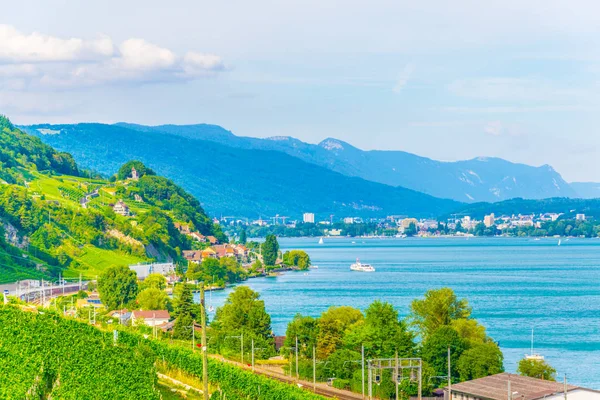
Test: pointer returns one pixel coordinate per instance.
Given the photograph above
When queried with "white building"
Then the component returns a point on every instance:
(348, 220)
(121, 208)
(489, 220)
(143, 270)
(308, 218)
(150, 318)
(580, 217)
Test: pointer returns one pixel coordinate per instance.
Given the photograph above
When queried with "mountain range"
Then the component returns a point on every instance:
(480, 179)
(237, 180)
(247, 176)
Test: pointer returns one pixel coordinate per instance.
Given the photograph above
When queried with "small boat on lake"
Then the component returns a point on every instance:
(358, 266)
(321, 241)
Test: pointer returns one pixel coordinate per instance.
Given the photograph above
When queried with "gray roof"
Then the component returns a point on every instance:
(495, 387)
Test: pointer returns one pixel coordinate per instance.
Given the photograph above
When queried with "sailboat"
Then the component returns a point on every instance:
(210, 306)
(533, 356)
(559, 242)
(321, 240)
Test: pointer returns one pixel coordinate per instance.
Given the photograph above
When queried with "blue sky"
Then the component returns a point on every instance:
(447, 80)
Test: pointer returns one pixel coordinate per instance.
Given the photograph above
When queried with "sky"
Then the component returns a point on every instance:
(515, 79)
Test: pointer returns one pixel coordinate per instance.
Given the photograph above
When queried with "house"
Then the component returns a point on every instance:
(241, 251)
(197, 236)
(212, 239)
(496, 387)
(224, 250)
(209, 253)
(182, 228)
(150, 317)
(193, 255)
(122, 316)
(121, 208)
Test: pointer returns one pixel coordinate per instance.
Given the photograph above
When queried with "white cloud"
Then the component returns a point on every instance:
(40, 61)
(195, 63)
(36, 47)
(403, 78)
(137, 54)
(494, 128)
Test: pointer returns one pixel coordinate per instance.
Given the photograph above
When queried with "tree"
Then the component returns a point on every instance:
(243, 237)
(297, 258)
(481, 360)
(154, 280)
(243, 313)
(185, 311)
(117, 287)
(381, 332)
(305, 329)
(536, 369)
(153, 299)
(411, 230)
(125, 170)
(270, 249)
(470, 330)
(435, 350)
(439, 307)
(332, 327)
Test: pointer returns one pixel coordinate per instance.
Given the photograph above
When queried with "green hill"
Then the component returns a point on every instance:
(56, 218)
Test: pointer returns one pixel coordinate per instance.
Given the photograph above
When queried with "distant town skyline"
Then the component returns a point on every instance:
(449, 81)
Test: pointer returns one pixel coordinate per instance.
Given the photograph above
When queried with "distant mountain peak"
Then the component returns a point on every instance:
(333, 144)
(280, 138)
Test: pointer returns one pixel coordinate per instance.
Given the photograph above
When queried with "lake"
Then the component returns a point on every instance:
(512, 284)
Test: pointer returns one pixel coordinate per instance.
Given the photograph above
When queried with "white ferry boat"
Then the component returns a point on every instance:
(358, 266)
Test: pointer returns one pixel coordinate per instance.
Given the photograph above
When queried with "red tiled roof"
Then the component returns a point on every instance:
(150, 314)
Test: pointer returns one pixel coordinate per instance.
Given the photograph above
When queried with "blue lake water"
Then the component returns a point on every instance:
(512, 284)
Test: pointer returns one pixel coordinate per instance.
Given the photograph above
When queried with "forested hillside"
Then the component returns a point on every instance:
(55, 218)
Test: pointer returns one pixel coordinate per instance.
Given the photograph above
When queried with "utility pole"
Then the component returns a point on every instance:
(362, 353)
(370, 381)
(314, 369)
(297, 375)
(204, 348)
(565, 386)
(252, 354)
(450, 376)
(242, 347)
(397, 382)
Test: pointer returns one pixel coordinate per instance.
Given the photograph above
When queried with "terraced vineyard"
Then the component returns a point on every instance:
(45, 356)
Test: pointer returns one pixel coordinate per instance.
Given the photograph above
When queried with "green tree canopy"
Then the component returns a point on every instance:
(332, 328)
(125, 170)
(297, 258)
(536, 369)
(153, 299)
(243, 237)
(439, 308)
(154, 280)
(185, 311)
(270, 249)
(306, 330)
(483, 359)
(243, 312)
(382, 333)
(117, 287)
(435, 350)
